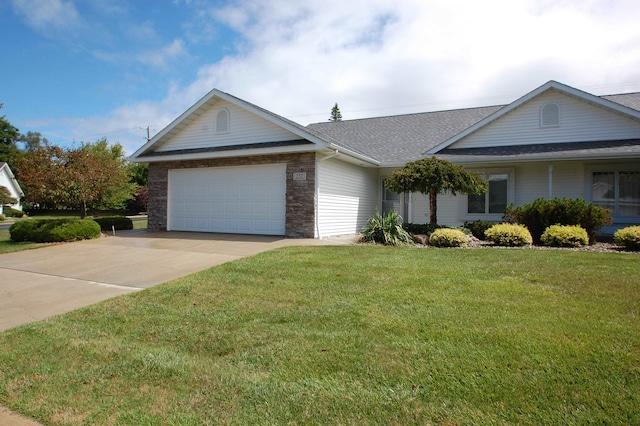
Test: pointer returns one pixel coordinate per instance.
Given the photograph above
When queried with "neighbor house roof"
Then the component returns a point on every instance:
(12, 179)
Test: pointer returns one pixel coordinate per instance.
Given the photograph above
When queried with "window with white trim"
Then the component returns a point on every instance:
(550, 115)
(495, 200)
(617, 190)
(222, 121)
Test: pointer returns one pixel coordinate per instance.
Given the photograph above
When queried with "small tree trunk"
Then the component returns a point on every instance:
(433, 208)
(83, 209)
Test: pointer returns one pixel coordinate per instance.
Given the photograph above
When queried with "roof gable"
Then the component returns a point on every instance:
(581, 102)
(252, 131)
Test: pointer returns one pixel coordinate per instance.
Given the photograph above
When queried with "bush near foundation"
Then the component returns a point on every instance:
(118, 222)
(564, 236)
(543, 213)
(54, 230)
(628, 237)
(447, 237)
(508, 234)
(478, 228)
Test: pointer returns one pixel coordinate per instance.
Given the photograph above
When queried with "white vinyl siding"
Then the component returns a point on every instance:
(243, 128)
(347, 197)
(243, 200)
(580, 122)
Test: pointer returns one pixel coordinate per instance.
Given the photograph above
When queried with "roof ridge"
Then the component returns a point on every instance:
(410, 114)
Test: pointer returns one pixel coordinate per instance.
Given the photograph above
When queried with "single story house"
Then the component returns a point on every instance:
(226, 165)
(8, 180)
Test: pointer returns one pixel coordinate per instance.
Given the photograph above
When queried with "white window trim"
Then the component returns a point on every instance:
(222, 132)
(542, 124)
(613, 167)
(511, 195)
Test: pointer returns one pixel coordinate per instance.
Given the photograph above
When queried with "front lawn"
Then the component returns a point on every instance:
(347, 335)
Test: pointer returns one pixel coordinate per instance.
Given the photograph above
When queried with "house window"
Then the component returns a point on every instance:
(618, 191)
(550, 115)
(494, 201)
(222, 121)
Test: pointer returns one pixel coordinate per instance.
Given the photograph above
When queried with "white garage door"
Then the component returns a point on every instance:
(241, 200)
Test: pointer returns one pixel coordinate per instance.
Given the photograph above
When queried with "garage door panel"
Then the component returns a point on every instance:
(232, 199)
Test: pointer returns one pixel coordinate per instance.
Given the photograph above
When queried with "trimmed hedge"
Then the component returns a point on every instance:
(447, 237)
(565, 236)
(119, 222)
(507, 234)
(543, 213)
(54, 230)
(628, 237)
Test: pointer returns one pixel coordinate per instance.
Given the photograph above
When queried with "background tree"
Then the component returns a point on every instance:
(8, 135)
(92, 176)
(32, 141)
(336, 115)
(433, 176)
(140, 176)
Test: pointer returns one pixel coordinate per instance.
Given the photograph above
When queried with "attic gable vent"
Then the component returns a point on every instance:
(550, 115)
(222, 121)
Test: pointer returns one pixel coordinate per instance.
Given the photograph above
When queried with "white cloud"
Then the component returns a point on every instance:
(46, 16)
(380, 57)
(162, 56)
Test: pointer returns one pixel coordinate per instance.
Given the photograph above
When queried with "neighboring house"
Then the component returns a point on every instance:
(226, 165)
(8, 180)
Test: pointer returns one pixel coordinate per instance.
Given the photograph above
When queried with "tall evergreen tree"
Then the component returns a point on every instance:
(336, 115)
(8, 135)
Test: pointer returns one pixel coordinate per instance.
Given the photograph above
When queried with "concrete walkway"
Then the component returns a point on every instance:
(36, 284)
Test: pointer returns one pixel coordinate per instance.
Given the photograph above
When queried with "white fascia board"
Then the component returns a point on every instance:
(563, 88)
(353, 154)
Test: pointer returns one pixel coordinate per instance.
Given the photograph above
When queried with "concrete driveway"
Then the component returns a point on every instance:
(36, 284)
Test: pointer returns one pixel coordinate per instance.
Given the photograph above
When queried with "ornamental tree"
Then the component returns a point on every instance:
(433, 176)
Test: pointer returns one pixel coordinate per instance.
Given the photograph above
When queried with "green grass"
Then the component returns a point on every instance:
(347, 335)
(8, 246)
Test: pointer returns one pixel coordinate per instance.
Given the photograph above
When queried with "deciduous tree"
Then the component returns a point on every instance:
(433, 176)
(94, 175)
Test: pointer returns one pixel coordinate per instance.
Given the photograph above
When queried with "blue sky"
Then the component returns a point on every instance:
(78, 70)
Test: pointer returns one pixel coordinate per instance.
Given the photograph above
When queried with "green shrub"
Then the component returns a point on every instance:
(507, 234)
(565, 236)
(118, 222)
(478, 227)
(419, 228)
(447, 237)
(20, 231)
(543, 213)
(386, 230)
(2, 218)
(54, 230)
(628, 237)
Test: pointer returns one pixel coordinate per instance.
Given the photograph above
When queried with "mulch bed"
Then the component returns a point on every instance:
(477, 243)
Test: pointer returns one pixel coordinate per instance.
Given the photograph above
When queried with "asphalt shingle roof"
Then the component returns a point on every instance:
(402, 138)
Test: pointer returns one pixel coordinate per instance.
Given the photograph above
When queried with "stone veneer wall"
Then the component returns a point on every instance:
(301, 194)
